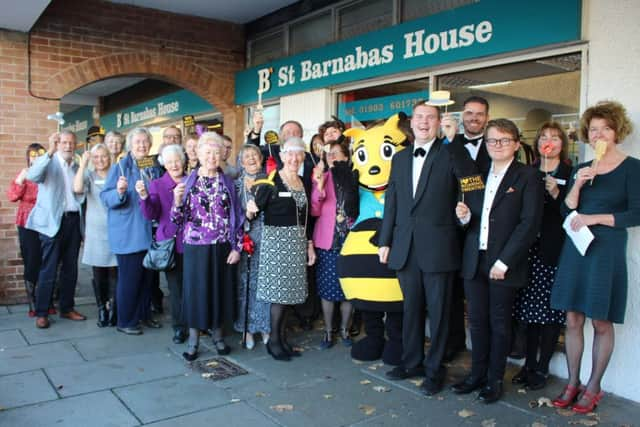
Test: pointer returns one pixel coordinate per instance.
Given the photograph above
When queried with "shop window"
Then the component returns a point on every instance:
(271, 114)
(528, 93)
(413, 9)
(364, 106)
(266, 49)
(311, 33)
(364, 17)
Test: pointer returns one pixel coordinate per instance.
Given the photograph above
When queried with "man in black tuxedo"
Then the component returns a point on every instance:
(419, 239)
(503, 220)
(475, 115)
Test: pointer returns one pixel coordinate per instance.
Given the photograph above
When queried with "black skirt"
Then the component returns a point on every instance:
(208, 298)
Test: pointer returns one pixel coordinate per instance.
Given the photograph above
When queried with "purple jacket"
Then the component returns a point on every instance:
(158, 207)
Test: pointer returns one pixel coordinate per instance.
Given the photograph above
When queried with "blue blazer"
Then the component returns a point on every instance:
(46, 215)
(129, 232)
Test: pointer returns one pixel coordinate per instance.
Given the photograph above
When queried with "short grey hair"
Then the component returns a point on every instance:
(100, 146)
(138, 131)
(114, 134)
(171, 149)
(294, 141)
(210, 137)
(249, 147)
(68, 132)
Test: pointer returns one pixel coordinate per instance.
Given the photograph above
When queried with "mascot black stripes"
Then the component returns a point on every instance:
(372, 287)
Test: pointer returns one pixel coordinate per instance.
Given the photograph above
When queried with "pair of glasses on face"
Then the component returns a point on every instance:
(499, 142)
(36, 153)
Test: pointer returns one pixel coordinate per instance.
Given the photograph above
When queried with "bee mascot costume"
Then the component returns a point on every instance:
(372, 287)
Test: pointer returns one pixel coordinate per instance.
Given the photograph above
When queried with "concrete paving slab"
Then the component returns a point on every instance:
(115, 372)
(238, 414)
(111, 343)
(95, 410)
(4, 309)
(24, 389)
(65, 329)
(10, 339)
(21, 359)
(17, 308)
(171, 397)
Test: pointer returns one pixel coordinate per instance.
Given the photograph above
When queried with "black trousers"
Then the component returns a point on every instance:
(64, 248)
(133, 292)
(490, 306)
(31, 253)
(174, 280)
(424, 291)
(457, 332)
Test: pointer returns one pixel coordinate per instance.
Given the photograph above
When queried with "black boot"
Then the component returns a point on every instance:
(103, 316)
(113, 313)
(30, 289)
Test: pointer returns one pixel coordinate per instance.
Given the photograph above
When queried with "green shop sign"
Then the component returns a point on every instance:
(157, 110)
(484, 28)
(381, 107)
(79, 121)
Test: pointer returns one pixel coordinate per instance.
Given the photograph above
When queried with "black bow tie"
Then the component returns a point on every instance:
(474, 142)
(419, 152)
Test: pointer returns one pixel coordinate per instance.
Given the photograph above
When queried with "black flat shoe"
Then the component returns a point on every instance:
(521, 378)
(179, 336)
(153, 324)
(431, 386)
(221, 347)
(468, 385)
(401, 373)
(276, 351)
(190, 357)
(491, 393)
(537, 380)
(130, 331)
(452, 353)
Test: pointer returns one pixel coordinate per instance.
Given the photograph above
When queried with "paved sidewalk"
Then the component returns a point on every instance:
(75, 374)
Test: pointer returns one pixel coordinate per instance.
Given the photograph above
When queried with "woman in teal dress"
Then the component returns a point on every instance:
(606, 196)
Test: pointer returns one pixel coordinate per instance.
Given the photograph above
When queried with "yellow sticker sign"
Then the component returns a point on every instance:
(471, 183)
(145, 162)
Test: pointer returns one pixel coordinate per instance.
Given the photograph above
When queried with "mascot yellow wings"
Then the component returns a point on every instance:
(372, 287)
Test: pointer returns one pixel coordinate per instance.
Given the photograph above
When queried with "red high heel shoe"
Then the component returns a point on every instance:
(592, 402)
(571, 392)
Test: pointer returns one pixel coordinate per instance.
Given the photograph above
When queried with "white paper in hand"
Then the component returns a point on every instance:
(581, 238)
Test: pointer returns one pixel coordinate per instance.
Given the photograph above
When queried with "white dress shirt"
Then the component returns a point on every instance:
(490, 191)
(474, 149)
(70, 203)
(418, 162)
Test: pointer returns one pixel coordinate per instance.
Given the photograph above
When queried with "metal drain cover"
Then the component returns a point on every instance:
(217, 368)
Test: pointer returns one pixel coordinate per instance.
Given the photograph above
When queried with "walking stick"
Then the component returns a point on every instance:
(249, 247)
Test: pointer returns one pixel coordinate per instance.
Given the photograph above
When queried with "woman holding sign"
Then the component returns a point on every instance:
(533, 304)
(503, 220)
(130, 232)
(606, 197)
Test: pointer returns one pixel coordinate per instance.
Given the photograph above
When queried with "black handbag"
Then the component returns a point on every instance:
(161, 255)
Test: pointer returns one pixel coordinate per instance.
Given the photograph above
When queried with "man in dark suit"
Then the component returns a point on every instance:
(419, 239)
(475, 115)
(503, 220)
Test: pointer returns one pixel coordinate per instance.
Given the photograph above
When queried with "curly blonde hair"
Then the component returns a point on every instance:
(613, 113)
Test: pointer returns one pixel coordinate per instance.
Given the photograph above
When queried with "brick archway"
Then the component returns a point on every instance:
(213, 86)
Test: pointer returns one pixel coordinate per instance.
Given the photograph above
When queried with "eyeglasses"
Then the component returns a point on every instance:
(171, 136)
(499, 142)
(36, 153)
(333, 154)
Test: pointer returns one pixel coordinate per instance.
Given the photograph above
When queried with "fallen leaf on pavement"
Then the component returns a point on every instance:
(260, 394)
(367, 409)
(565, 412)
(234, 400)
(417, 383)
(282, 407)
(440, 398)
(211, 364)
(545, 401)
(537, 424)
(465, 413)
(489, 423)
(381, 389)
(328, 396)
(522, 391)
(584, 422)
(365, 382)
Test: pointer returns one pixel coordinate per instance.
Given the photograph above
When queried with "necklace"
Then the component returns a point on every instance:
(299, 199)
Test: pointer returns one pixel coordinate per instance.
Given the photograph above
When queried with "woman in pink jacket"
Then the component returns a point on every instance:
(328, 204)
(24, 191)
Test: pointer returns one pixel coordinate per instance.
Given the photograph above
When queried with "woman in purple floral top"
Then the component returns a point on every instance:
(207, 206)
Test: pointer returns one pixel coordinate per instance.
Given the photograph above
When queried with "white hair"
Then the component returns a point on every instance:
(295, 143)
(138, 131)
(210, 138)
(171, 149)
(100, 146)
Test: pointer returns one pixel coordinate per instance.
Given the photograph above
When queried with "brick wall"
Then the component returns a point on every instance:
(76, 42)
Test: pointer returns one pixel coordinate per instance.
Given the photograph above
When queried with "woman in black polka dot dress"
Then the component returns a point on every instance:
(533, 304)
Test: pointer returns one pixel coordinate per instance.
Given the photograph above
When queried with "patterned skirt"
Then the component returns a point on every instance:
(326, 275)
(282, 271)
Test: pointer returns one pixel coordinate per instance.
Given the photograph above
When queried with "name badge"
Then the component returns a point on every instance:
(561, 181)
(284, 194)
